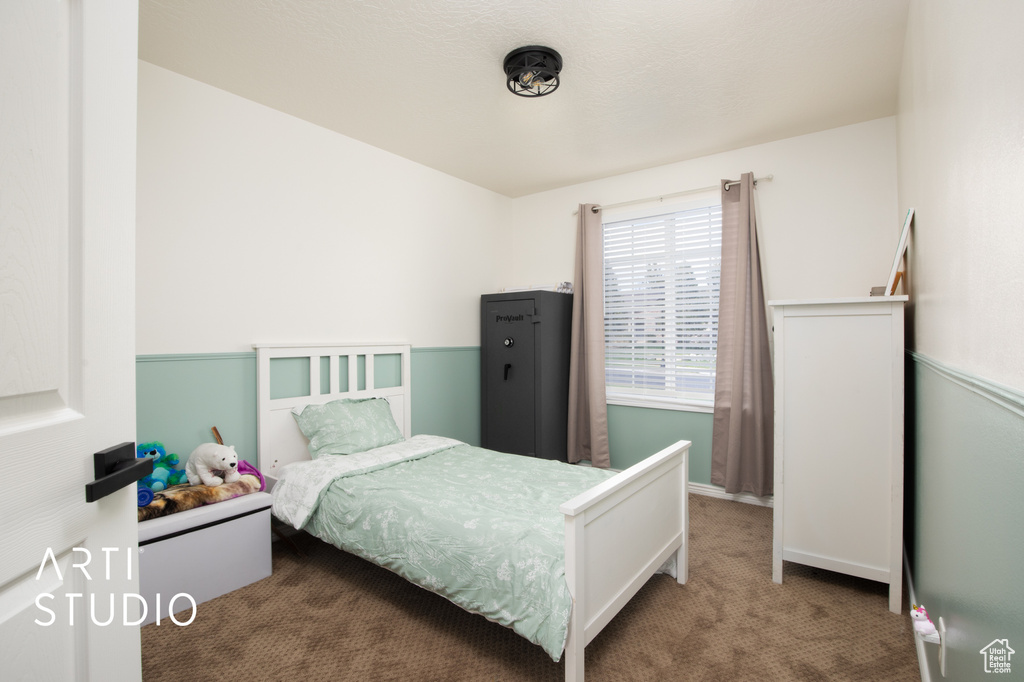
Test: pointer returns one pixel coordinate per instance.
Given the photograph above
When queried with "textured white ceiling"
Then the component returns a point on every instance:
(644, 82)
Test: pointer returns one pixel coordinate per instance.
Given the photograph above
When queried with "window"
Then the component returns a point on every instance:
(661, 284)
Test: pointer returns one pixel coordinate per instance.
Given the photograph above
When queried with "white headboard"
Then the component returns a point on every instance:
(279, 440)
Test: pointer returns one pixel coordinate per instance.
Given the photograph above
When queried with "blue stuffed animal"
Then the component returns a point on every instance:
(164, 474)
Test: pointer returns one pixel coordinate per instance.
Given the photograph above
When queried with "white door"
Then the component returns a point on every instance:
(67, 384)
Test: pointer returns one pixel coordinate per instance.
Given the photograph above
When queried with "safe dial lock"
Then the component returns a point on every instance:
(509, 342)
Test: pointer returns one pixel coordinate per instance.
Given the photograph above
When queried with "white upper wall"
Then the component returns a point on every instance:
(828, 221)
(961, 166)
(257, 226)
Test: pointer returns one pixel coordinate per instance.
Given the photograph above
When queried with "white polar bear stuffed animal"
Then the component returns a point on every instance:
(210, 459)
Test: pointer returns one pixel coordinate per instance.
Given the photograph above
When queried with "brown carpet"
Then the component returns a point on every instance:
(332, 616)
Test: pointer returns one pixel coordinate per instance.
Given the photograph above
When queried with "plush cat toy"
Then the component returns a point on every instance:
(210, 459)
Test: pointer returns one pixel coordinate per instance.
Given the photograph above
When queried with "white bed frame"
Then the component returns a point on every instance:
(617, 534)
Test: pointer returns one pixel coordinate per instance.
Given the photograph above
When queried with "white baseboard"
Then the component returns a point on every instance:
(715, 491)
(922, 660)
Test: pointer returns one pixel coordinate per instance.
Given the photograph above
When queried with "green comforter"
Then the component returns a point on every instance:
(479, 527)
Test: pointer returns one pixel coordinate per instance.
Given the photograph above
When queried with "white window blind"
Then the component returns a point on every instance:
(661, 285)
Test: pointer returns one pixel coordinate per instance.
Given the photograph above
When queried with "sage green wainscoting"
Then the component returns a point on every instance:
(965, 508)
(446, 392)
(637, 432)
(180, 397)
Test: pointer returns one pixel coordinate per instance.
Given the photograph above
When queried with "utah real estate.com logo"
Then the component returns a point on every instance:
(997, 655)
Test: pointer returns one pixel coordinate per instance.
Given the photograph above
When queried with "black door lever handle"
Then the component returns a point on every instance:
(508, 366)
(115, 468)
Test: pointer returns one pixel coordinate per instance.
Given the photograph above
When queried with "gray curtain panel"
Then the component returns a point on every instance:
(588, 408)
(743, 432)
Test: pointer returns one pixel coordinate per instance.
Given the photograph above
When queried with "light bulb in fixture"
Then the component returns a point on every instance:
(526, 78)
(533, 81)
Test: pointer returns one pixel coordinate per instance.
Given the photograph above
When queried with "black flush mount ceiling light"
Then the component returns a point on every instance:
(532, 71)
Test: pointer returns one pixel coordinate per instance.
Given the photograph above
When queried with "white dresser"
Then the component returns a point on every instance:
(839, 437)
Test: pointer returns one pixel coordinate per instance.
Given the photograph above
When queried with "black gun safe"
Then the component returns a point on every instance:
(524, 367)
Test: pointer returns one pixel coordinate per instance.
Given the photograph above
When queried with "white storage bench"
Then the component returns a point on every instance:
(203, 552)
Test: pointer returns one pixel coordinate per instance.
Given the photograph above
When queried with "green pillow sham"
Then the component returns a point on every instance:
(347, 426)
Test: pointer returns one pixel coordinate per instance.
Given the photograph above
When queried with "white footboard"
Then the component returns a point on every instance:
(617, 535)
